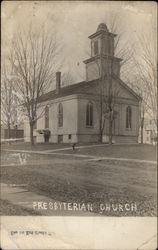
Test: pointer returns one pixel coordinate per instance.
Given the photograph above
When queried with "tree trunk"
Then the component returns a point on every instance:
(8, 134)
(142, 126)
(110, 131)
(101, 133)
(31, 133)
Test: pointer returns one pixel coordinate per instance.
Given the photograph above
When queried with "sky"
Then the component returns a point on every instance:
(74, 21)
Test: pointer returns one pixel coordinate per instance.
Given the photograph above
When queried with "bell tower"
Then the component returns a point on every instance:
(102, 54)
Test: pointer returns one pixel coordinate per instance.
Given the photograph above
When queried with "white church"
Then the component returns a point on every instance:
(71, 113)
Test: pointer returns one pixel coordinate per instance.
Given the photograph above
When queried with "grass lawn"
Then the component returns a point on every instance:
(76, 180)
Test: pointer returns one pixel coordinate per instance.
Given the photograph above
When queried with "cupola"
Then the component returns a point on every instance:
(102, 53)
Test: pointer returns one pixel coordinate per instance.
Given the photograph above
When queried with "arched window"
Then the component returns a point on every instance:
(46, 117)
(60, 115)
(89, 114)
(128, 117)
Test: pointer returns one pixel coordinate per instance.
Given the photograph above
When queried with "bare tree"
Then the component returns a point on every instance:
(9, 101)
(107, 105)
(146, 68)
(144, 80)
(123, 46)
(138, 86)
(108, 99)
(67, 79)
(35, 59)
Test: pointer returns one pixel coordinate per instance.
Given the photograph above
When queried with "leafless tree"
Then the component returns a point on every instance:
(107, 105)
(9, 101)
(146, 68)
(138, 86)
(144, 80)
(123, 46)
(35, 59)
(67, 79)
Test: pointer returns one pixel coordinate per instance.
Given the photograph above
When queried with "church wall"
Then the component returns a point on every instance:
(93, 70)
(26, 132)
(115, 127)
(92, 45)
(119, 124)
(108, 45)
(116, 68)
(87, 134)
(40, 125)
(122, 126)
(74, 123)
(69, 121)
(121, 92)
(70, 107)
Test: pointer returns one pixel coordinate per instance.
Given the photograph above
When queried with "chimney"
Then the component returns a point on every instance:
(58, 82)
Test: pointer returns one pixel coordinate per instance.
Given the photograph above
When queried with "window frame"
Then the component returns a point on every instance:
(35, 125)
(96, 42)
(60, 115)
(89, 115)
(128, 118)
(47, 117)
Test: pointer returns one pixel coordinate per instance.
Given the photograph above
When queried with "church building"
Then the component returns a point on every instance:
(72, 113)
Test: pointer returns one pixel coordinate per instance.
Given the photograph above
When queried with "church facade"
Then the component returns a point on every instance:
(72, 114)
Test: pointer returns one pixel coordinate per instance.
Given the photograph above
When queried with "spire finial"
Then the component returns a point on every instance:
(102, 26)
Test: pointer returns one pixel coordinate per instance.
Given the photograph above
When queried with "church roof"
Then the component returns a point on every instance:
(80, 88)
(124, 85)
(77, 88)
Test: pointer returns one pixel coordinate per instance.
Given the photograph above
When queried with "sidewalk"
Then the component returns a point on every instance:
(122, 159)
(89, 157)
(39, 203)
(47, 151)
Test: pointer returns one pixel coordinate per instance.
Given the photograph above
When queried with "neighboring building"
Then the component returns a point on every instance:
(149, 132)
(72, 112)
(15, 132)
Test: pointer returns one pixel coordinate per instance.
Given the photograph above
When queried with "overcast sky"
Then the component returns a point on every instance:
(74, 22)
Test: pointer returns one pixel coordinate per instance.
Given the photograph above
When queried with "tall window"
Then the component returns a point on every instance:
(46, 117)
(89, 114)
(128, 117)
(35, 125)
(96, 50)
(60, 115)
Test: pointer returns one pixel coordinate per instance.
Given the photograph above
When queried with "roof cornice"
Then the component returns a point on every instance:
(101, 32)
(93, 58)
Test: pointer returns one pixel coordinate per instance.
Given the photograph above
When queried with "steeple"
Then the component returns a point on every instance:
(102, 53)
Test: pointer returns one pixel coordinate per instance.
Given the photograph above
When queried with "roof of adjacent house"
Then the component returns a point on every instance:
(80, 88)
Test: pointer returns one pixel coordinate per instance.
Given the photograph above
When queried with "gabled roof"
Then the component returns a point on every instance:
(76, 88)
(124, 85)
(81, 88)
